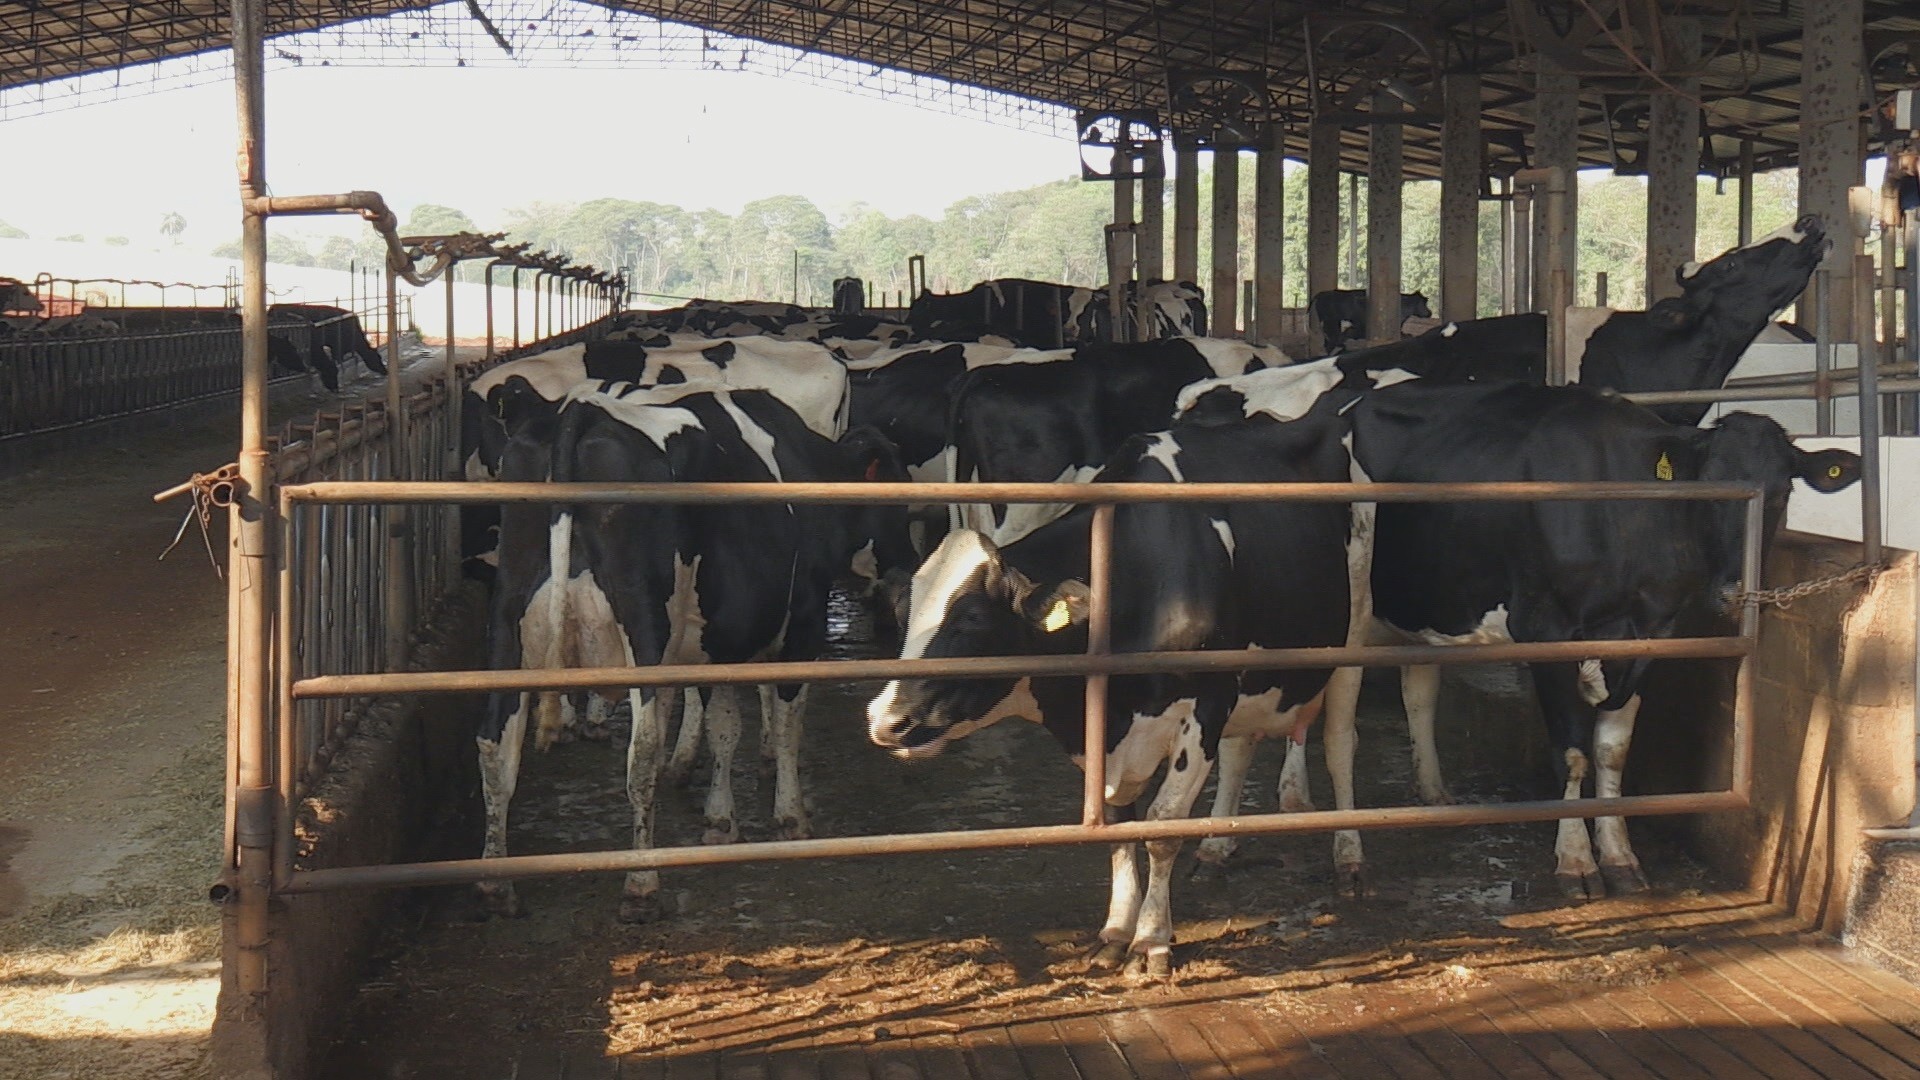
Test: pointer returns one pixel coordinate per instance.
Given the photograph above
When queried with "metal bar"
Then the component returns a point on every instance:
(427, 492)
(1869, 387)
(284, 674)
(397, 580)
(460, 871)
(1752, 541)
(984, 667)
(1100, 645)
(1801, 392)
(1822, 352)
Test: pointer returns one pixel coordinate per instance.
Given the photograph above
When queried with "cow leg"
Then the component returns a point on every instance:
(1575, 868)
(1343, 700)
(1236, 757)
(686, 745)
(723, 738)
(768, 751)
(1420, 694)
(1123, 898)
(599, 718)
(640, 900)
(785, 717)
(1569, 732)
(1187, 770)
(1295, 793)
(1612, 734)
(499, 775)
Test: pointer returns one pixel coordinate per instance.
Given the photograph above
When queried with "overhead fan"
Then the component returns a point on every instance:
(1229, 104)
(1119, 144)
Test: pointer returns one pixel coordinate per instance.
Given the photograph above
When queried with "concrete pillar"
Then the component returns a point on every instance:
(1460, 198)
(1673, 164)
(1556, 141)
(1152, 249)
(1269, 231)
(1122, 195)
(1186, 209)
(1383, 219)
(1224, 297)
(1323, 209)
(1830, 159)
(1746, 192)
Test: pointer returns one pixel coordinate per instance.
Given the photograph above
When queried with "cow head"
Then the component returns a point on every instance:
(967, 601)
(1746, 285)
(1746, 448)
(1414, 305)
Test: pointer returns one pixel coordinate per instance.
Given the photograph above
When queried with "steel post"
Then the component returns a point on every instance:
(491, 263)
(1099, 644)
(516, 306)
(1822, 351)
(1745, 192)
(1869, 374)
(397, 577)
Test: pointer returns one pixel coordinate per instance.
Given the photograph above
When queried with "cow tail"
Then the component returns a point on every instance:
(549, 717)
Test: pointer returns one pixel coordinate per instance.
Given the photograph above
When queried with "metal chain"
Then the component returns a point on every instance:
(1785, 596)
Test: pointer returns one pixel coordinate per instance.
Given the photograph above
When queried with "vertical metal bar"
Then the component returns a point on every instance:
(1506, 245)
(1745, 192)
(250, 522)
(1099, 643)
(1522, 248)
(1822, 352)
(1869, 362)
(1750, 569)
(285, 735)
(398, 620)
(516, 306)
(1600, 289)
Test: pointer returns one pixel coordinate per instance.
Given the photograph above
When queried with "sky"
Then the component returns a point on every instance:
(487, 139)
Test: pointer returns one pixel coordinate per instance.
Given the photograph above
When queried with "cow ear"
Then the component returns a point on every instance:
(1673, 315)
(1056, 608)
(1826, 470)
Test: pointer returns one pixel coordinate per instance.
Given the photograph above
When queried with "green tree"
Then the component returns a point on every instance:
(9, 232)
(430, 219)
(75, 238)
(117, 241)
(172, 224)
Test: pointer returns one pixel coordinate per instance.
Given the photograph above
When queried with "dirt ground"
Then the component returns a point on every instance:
(854, 950)
(112, 682)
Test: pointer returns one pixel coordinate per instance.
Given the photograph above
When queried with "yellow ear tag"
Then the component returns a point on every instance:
(1663, 469)
(1057, 617)
(1833, 472)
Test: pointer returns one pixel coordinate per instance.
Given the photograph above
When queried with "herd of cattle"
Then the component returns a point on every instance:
(695, 395)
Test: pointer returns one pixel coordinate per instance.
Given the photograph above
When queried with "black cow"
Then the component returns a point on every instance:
(1550, 571)
(336, 330)
(654, 584)
(286, 334)
(1342, 314)
(849, 296)
(1687, 342)
(1060, 420)
(1187, 577)
(1040, 314)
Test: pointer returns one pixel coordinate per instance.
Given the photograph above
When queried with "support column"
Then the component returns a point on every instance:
(1460, 198)
(1225, 294)
(1269, 232)
(1353, 277)
(1746, 192)
(1323, 209)
(1186, 209)
(1383, 219)
(1556, 142)
(1150, 248)
(1830, 159)
(1673, 164)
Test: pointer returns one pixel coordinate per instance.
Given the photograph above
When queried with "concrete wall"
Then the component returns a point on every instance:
(403, 788)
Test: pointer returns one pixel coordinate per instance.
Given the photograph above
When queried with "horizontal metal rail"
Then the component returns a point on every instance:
(427, 492)
(458, 871)
(987, 667)
(1788, 392)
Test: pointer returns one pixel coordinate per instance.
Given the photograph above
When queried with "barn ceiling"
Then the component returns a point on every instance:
(1191, 62)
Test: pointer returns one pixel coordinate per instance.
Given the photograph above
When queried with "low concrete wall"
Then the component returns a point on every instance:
(403, 788)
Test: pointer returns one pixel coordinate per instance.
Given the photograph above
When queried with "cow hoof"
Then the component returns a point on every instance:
(1579, 885)
(722, 831)
(789, 829)
(1624, 879)
(1108, 957)
(1350, 881)
(1439, 796)
(1296, 804)
(677, 774)
(635, 910)
(499, 898)
(1207, 871)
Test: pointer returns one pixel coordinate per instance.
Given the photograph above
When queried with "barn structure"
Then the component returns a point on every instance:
(354, 647)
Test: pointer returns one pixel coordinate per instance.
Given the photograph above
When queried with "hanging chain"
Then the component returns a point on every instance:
(209, 491)
(1785, 596)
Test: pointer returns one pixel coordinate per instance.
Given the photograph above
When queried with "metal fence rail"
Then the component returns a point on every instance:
(298, 686)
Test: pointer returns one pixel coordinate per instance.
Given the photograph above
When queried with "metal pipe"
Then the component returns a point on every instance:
(1823, 352)
(397, 581)
(249, 522)
(1522, 249)
(1799, 392)
(285, 673)
(1100, 645)
(687, 493)
(1869, 361)
(516, 306)
(997, 667)
(1753, 541)
(491, 263)
(461, 871)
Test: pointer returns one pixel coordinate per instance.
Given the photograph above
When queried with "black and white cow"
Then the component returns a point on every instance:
(1687, 342)
(657, 584)
(1160, 309)
(1040, 314)
(1549, 571)
(335, 330)
(1187, 576)
(1061, 418)
(1342, 314)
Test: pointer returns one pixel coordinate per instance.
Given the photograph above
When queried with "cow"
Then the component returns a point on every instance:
(719, 318)
(285, 333)
(1342, 314)
(336, 330)
(849, 296)
(1550, 571)
(1156, 309)
(647, 584)
(805, 375)
(1059, 420)
(1040, 314)
(1188, 576)
(1686, 342)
